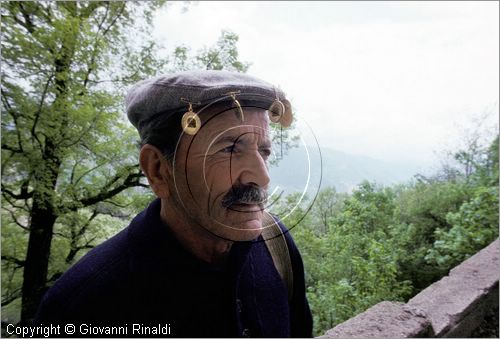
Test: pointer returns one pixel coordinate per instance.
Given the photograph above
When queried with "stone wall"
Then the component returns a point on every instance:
(452, 307)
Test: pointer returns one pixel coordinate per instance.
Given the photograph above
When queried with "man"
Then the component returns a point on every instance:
(202, 259)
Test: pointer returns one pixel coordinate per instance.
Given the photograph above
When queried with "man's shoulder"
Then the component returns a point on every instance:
(94, 277)
(104, 262)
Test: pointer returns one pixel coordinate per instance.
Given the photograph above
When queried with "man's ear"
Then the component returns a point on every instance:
(157, 169)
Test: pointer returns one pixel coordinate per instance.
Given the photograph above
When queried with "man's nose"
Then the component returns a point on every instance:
(252, 170)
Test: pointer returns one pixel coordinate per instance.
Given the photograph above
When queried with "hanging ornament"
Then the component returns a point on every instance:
(287, 117)
(276, 110)
(190, 121)
(237, 105)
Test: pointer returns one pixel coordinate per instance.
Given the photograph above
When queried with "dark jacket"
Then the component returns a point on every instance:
(143, 276)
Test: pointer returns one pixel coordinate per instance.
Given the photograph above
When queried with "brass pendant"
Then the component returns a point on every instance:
(276, 111)
(287, 117)
(191, 123)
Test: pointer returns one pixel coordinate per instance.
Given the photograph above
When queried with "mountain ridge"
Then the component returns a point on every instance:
(342, 170)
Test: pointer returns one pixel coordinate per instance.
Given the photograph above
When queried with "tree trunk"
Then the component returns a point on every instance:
(37, 260)
(43, 214)
(42, 219)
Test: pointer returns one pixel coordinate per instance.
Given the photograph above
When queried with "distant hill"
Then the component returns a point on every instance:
(342, 170)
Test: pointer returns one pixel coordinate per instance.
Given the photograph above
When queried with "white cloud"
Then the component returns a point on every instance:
(385, 79)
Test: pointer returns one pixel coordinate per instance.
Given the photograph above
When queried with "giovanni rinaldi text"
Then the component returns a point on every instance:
(87, 329)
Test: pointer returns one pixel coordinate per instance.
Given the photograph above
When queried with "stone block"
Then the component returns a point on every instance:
(452, 307)
(386, 319)
(460, 296)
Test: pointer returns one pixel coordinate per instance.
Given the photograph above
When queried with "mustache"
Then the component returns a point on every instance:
(245, 194)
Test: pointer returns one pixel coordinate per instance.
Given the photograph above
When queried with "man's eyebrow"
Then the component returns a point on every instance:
(240, 139)
(228, 139)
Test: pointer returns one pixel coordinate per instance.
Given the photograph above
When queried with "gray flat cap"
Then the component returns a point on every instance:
(169, 94)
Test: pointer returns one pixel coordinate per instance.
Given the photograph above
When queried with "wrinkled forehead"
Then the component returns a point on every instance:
(249, 123)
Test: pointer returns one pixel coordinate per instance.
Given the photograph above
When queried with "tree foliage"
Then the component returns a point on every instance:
(223, 55)
(388, 243)
(70, 176)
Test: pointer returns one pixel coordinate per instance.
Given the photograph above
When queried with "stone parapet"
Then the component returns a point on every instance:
(452, 307)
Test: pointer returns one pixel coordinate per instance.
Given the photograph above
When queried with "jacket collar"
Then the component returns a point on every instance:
(154, 248)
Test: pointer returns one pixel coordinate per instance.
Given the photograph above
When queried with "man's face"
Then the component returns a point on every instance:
(221, 174)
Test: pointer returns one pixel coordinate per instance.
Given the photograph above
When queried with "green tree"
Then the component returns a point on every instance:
(352, 265)
(442, 219)
(420, 209)
(475, 224)
(223, 55)
(388, 243)
(328, 205)
(69, 157)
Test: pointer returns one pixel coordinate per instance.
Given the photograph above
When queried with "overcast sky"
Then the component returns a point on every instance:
(392, 80)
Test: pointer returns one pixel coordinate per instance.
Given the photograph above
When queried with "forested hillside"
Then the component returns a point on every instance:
(388, 243)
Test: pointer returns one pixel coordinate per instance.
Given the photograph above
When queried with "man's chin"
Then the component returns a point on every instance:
(245, 230)
(251, 225)
(246, 235)
(239, 223)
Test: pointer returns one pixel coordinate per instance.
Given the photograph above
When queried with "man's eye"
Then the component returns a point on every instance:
(228, 149)
(266, 152)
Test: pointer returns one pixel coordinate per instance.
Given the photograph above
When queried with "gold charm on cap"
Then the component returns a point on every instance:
(287, 118)
(280, 111)
(237, 104)
(190, 121)
(276, 111)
